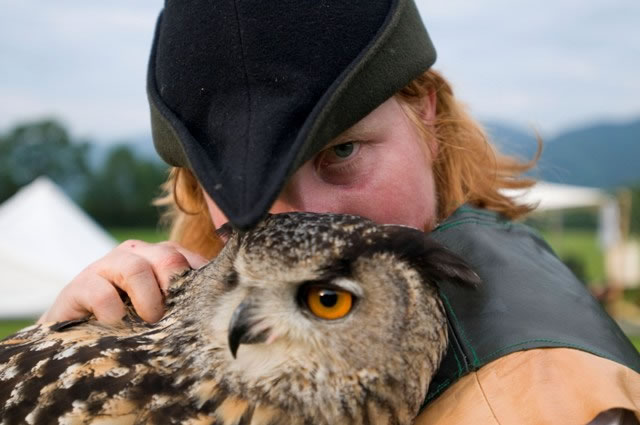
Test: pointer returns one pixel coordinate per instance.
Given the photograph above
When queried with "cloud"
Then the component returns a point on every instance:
(555, 63)
(82, 61)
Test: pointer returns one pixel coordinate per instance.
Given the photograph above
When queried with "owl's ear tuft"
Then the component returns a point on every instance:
(428, 256)
(440, 264)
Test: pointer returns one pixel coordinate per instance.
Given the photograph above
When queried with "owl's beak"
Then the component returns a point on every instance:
(241, 328)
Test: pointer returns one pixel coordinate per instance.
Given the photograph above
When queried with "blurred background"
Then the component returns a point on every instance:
(78, 171)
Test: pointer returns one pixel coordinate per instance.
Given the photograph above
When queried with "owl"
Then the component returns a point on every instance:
(305, 319)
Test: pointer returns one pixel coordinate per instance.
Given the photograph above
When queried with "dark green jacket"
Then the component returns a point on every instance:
(528, 299)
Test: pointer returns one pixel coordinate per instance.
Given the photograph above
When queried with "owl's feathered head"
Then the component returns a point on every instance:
(331, 316)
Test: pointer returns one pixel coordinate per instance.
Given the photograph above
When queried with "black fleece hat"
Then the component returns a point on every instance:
(243, 92)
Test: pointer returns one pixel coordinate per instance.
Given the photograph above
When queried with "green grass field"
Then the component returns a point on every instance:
(7, 327)
(147, 234)
(581, 247)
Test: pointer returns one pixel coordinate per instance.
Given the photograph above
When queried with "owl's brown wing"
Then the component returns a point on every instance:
(86, 373)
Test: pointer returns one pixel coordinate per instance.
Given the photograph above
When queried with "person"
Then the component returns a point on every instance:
(333, 106)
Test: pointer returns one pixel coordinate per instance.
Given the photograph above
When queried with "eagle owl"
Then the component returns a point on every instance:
(306, 319)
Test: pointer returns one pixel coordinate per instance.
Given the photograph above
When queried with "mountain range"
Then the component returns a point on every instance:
(605, 155)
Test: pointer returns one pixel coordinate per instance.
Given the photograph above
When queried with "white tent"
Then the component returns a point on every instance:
(45, 240)
(553, 196)
(557, 197)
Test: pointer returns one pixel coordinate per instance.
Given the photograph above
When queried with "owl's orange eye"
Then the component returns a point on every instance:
(328, 303)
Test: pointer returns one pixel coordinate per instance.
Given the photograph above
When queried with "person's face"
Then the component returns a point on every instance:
(380, 169)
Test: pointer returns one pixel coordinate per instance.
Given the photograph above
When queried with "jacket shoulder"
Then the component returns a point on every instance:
(548, 385)
(528, 299)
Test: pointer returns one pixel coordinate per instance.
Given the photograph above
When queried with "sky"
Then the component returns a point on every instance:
(550, 65)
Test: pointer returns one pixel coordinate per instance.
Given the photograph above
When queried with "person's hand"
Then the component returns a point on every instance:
(142, 270)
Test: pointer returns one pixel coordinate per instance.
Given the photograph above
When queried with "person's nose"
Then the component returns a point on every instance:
(284, 206)
(291, 199)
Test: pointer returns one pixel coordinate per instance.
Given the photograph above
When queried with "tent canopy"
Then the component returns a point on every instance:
(558, 197)
(552, 196)
(45, 240)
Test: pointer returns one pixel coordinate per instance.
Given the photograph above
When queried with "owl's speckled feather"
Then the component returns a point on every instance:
(372, 366)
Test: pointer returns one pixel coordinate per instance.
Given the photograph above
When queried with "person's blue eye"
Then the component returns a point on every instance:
(342, 163)
(343, 150)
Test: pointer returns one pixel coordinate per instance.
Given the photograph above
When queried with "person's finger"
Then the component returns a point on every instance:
(87, 293)
(167, 259)
(142, 270)
(135, 275)
(100, 297)
(195, 260)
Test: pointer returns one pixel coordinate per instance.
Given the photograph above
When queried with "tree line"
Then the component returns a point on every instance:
(116, 190)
